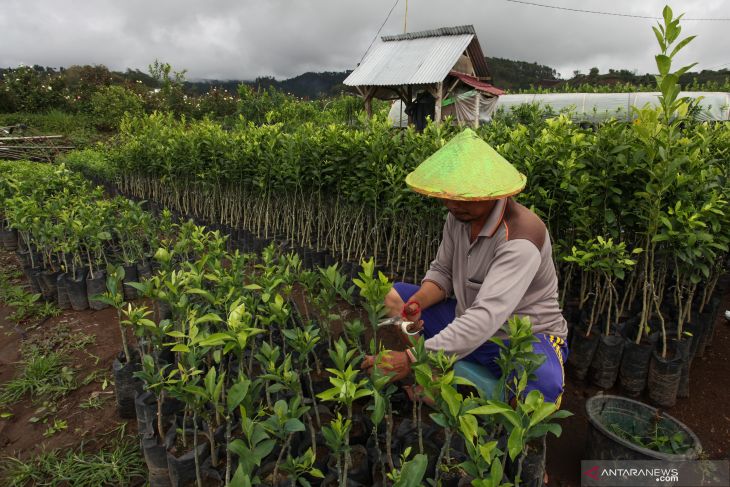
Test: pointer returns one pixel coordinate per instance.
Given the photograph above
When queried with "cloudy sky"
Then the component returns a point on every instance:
(242, 39)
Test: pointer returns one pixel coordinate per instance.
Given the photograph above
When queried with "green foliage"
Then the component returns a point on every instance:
(119, 463)
(111, 103)
(654, 438)
(92, 163)
(41, 375)
(517, 360)
(297, 467)
(30, 90)
(411, 472)
(26, 306)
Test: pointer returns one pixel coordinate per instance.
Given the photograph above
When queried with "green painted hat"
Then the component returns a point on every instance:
(466, 169)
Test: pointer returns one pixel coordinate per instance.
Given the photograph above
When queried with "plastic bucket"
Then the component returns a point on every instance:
(603, 411)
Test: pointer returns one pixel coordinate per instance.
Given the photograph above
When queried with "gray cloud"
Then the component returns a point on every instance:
(245, 38)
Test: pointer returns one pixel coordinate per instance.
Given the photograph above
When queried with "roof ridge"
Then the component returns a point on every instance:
(440, 32)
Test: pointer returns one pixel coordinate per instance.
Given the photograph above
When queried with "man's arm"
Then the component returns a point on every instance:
(509, 276)
(438, 285)
(429, 294)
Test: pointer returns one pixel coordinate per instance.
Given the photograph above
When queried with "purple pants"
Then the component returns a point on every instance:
(550, 376)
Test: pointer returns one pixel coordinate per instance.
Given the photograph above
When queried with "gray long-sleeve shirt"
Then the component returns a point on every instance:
(508, 270)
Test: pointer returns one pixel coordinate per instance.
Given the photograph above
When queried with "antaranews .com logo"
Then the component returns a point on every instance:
(641, 473)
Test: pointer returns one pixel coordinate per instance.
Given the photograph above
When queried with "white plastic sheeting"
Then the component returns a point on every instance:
(462, 109)
(591, 107)
(601, 106)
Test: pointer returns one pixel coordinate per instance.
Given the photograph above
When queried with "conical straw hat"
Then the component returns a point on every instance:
(466, 169)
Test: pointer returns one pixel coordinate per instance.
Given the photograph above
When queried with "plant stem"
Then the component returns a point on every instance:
(312, 395)
(228, 450)
(284, 448)
(125, 347)
(160, 402)
(195, 449)
(389, 435)
(443, 453)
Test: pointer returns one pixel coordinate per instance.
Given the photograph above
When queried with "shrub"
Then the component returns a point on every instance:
(109, 104)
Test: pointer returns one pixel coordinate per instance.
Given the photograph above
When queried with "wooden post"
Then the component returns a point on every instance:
(476, 110)
(437, 112)
(409, 94)
(369, 101)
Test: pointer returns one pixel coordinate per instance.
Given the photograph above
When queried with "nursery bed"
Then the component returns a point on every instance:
(703, 411)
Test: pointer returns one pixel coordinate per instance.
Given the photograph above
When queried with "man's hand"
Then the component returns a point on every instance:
(395, 364)
(411, 312)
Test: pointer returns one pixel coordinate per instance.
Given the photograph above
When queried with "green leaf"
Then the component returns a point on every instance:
(210, 380)
(514, 443)
(660, 39)
(542, 412)
(216, 339)
(181, 347)
(468, 425)
(236, 394)
(263, 448)
(490, 409)
(681, 44)
(664, 64)
(240, 479)
(378, 409)
(208, 318)
(452, 398)
(293, 425)
(440, 419)
(412, 472)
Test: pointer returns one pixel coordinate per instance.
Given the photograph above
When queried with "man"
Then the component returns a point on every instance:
(495, 258)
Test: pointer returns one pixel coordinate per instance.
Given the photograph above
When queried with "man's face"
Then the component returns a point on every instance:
(469, 211)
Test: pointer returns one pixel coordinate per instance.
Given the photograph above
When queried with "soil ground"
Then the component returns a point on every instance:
(706, 411)
(93, 339)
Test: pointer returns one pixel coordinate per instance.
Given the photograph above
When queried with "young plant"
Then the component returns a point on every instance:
(297, 467)
(373, 290)
(531, 419)
(602, 262)
(660, 138)
(336, 436)
(354, 331)
(157, 381)
(114, 296)
(347, 388)
(283, 424)
(517, 360)
(411, 471)
(439, 384)
(381, 408)
(528, 417)
(255, 445)
(303, 341)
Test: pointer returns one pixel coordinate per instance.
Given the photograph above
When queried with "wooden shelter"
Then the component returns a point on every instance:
(440, 62)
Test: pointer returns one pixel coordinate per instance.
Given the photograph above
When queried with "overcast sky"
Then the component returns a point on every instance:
(242, 39)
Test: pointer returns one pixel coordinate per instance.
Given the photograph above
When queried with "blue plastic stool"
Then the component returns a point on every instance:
(481, 377)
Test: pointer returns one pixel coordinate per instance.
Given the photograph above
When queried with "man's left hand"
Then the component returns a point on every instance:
(395, 364)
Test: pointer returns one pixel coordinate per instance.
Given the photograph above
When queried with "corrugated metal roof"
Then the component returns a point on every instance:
(443, 31)
(476, 83)
(416, 59)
